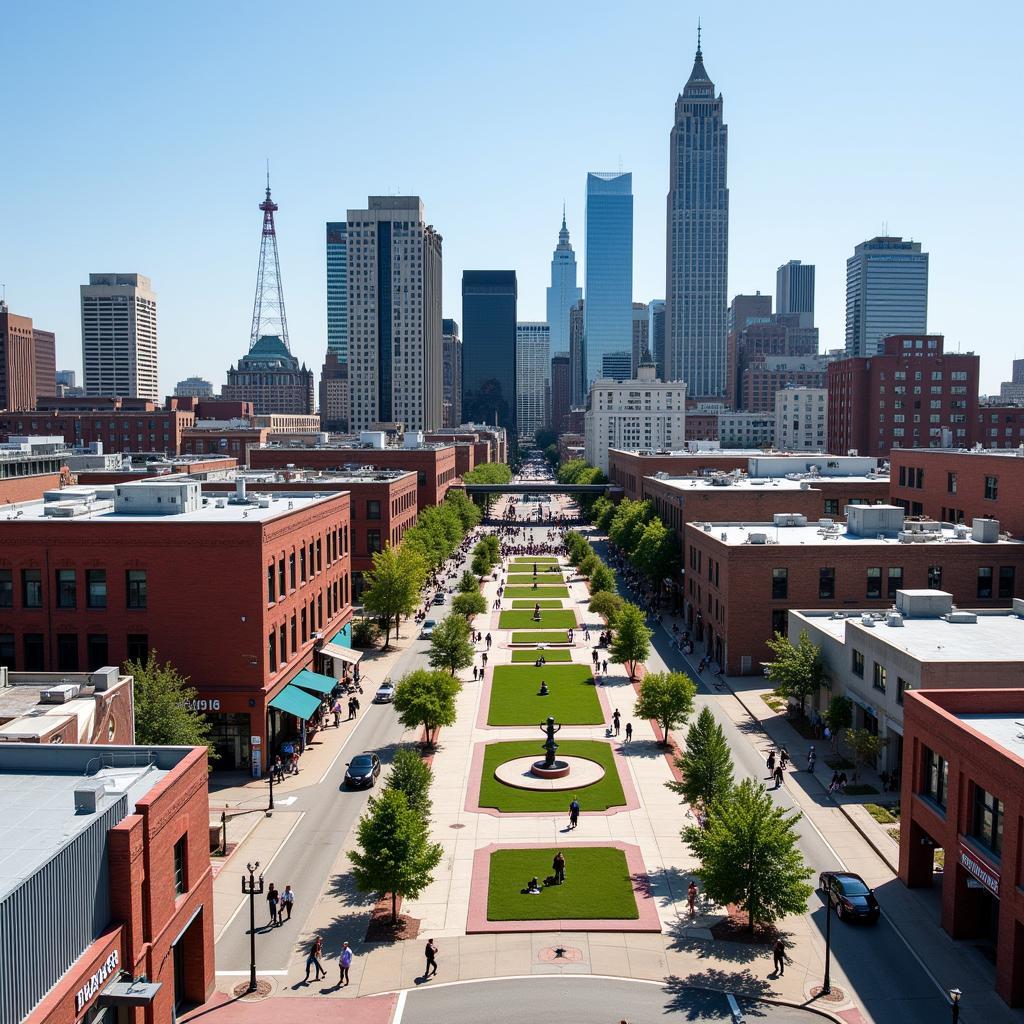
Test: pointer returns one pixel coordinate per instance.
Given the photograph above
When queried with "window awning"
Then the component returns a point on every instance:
(341, 653)
(296, 702)
(315, 682)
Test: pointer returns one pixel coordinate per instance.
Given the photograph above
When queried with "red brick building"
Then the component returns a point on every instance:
(701, 426)
(999, 426)
(741, 579)
(912, 394)
(433, 464)
(208, 467)
(130, 825)
(628, 468)
(17, 362)
(963, 793)
(236, 594)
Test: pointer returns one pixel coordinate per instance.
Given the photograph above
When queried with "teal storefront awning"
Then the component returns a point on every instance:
(343, 638)
(315, 682)
(296, 702)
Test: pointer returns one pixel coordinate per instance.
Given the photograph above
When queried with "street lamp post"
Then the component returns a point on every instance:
(954, 996)
(270, 776)
(252, 888)
(826, 987)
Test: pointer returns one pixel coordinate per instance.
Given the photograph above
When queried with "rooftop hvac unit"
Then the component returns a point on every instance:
(264, 501)
(88, 794)
(757, 538)
(893, 618)
(957, 616)
(826, 522)
(60, 694)
(221, 503)
(867, 620)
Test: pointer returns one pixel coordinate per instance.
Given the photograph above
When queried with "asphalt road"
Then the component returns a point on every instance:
(580, 1000)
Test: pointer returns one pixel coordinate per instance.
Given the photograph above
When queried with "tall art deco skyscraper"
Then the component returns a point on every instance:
(697, 261)
(563, 292)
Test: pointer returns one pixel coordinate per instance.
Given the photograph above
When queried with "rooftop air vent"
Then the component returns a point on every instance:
(59, 694)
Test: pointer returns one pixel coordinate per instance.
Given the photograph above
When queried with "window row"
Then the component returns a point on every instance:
(298, 567)
(1002, 586)
(287, 639)
(66, 588)
(67, 654)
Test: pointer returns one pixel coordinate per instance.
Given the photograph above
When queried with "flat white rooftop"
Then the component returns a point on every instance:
(813, 534)
(1006, 731)
(779, 483)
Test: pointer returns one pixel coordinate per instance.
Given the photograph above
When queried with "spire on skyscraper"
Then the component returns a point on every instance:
(698, 76)
(563, 234)
(268, 316)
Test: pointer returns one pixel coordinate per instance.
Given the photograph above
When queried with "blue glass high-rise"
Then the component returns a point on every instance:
(337, 290)
(608, 275)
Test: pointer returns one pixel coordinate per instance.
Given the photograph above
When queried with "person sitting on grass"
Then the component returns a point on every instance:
(543, 691)
(532, 887)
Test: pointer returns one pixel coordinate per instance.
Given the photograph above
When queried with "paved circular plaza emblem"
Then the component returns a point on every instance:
(560, 955)
(516, 773)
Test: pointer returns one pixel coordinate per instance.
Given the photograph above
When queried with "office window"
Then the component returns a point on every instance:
(97, 651)
(6, 588)
(32, 588)
(991, 488)
(857, 663)
(951, 483)
(934, 577)
(984, 582)
(874, 583)
(272, 649)
(281, 589)
(67, 589)
(895, 581)
(935, 777)
(831, 506)
(302, 564)
(283, 644)
(135, 588)
(372, 541)
(7, 650)
(67, 652)
(295, 633)
(779, 621)
(879, 677)
(96, 588)
(180, 860)
(138, 647)
(35, 656)
(987, 826)
(271, 598)
(291, 571)
(1007, 581)
(901, 686)
(827, 583)
(780, 584)
(373, 510)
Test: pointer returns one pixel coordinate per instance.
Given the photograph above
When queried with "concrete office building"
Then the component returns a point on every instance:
(697, 260)
(337, 289)
(193, 387)
(617, 366)
(335, 400)
(272, 379)
(801, 416)
(641, 351)
(562, 293)
(17, 362)
(608, 282)
(886, 293)
(533, 377)
(489, 348)
(745, 310)
(560, 390)
(577, 362)
(119, 336)
(46, 362)
(1011, 392)
(794, 291)
(394, 315)
(656, 335)
(451, 374)
(746, 429)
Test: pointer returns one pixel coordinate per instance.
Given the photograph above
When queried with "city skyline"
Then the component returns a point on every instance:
(188, 226)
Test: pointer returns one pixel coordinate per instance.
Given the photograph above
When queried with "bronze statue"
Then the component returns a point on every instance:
(550, 746)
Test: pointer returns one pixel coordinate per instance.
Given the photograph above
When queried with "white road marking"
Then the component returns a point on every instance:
(734, 1008)
(399, 1007)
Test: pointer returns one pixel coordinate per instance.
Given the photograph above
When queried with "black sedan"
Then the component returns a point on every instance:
(362, 771)
(850, 895)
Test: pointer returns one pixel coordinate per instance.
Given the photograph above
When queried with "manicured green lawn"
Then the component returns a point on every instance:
(540, 560)
(520, 579)
(531, 604)
(597, 885)
(531, 656)
(539, 638)
(572, 698)
(536, 592)
(605, 793)
(564, 619)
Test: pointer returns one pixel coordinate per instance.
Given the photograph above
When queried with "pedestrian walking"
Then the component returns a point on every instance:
(277, 769)
(351, 708)
(474, 673)
(431, 954)
(336, 710)
(595, 659)
(574, 813)
(811, 758)
(316, 951)
(784, 758)
(355, 704)
(586, 636)
(483, 659)
(558, 866)
(604, 666)
(691, 897)
(287, 900)
(771, 763)
(615, 720)
(779, 955)
(629, 731)
(273, 901)
(488, 641)
(344, 963)
(778, 775)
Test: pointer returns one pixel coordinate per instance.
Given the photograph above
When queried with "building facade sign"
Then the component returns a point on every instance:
(88, 992)
(988, 877)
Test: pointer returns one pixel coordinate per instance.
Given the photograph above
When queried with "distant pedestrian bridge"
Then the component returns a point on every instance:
(612, 490)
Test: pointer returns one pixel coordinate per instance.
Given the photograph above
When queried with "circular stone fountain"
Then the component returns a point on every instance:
(519, 774)
(551, 767)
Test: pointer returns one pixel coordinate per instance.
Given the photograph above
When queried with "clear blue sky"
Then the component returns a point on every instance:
(136, 135)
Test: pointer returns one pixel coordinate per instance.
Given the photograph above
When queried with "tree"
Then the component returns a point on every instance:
(469, 605)
(393, 586)
(464, 507)
(749, 855)
(411, 775)
(706, 764)
(577, 547)
(838, 716)
(481, 563)
(493, 545)
(629, 522)
(655, 551)
(365, 633)
(602, 512)
(588, 563)
(449, 644)
(164, 712)
(632, 640)
(797, 669)
(395, 855)
(606, 604)
(866, 747)
(667, 697)
(468, 583)
(602, 579)
(551, 455)
(426, 697)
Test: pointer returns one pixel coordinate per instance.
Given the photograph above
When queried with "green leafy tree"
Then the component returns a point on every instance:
(493, 545)
(797, 669)
(655, 552)
(551, 455)
(545, 438)
(393, 587)
(705, 765)
(481, 563)
(631, 643)
(163, 707)
(488, 473)
(576, 547)
(602, 513)
(395, 855)
(749, 855)
(588, 564)
(469, 605)
(468, 583)
(606, 604)
(464, 507)
(427, 697)
(866, 746)
(449, 644)
(667, 697)
(365, 633)
(838, 717)
(629, 522)
(602, 579)
(411, 775)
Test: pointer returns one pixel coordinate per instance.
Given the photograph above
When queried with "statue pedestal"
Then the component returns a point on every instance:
(556, 771)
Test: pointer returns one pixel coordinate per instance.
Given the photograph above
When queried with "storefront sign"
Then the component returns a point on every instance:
(203, 705)
(91, 988)
(257, 763)
(981, 871)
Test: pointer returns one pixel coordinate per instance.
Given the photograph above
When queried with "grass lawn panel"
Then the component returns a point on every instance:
(531, 604)
(597, 886)
(539, 638)
(599, 796)
(540, 560)
(535, 592)
(531, 656)
(572, 700)
(564, 619)
(544, 579)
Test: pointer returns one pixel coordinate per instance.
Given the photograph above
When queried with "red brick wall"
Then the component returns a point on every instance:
(17, 362)
(627, 469)
(999, 426)
(27, 488)
(145, 430)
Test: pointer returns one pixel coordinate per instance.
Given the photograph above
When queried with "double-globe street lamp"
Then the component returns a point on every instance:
(954, 998)
(252, 887)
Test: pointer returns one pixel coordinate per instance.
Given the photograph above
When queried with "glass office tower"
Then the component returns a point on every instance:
(608, 275)
(337, 290)
(489, 348)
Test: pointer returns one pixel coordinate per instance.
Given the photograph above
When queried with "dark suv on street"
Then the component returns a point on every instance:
(362, 771)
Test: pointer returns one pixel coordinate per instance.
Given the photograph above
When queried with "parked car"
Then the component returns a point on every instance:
(850, 895)
(362, 771)
(427, 628)
(385, 693)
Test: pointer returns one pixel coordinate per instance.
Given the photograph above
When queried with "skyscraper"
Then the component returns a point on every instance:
(46, 362)
(560, 391)
(394, 315)
(17, 362)
(577, 363)
(451, 377)
(697, 259)
(562, 294)
(656, 334)
(641, 352)
(886, 293)
(617, 365)
(119, 336)
(489, 348)
(533, 377)
(794, 290)
(608, 314)
(337, 290)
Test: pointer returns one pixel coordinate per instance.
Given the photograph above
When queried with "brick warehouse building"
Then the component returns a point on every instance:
(963, 793)
(912, 394)
(741, 579)
(104, 879)
(236, 594)
(958, 486)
